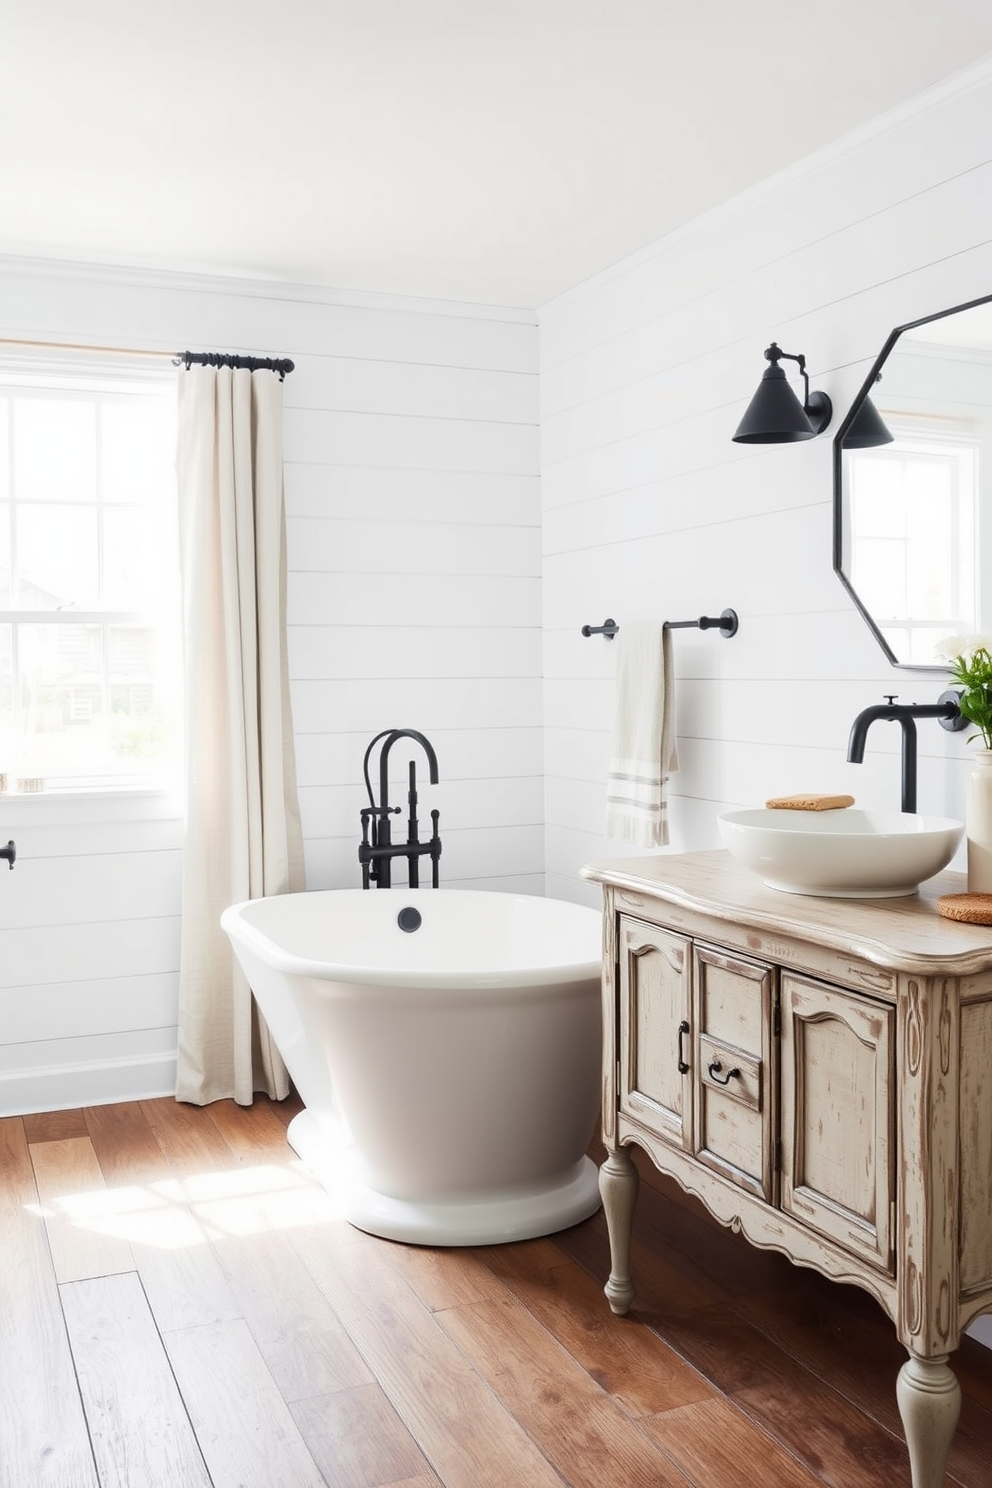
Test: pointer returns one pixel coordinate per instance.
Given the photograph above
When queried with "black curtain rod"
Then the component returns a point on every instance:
(282, 365)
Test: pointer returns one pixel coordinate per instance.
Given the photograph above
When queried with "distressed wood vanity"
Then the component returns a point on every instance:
(818, 1072)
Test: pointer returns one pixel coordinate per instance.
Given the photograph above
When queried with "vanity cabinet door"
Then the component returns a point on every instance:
(734, 1053)
(655, 968)
(838, 1150)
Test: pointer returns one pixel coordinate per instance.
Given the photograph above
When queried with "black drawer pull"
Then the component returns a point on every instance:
(716, 1069)
(683, 1030)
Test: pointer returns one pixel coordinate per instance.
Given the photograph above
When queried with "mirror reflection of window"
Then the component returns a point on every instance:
(913, 537)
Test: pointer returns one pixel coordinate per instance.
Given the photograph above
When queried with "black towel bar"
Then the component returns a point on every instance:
(726, 623)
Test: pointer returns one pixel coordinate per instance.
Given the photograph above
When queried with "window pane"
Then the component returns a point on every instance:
(137, 450)
(57, 557)
(54, 450)
(4, 452)
(6, 699)
(139, 559)
(5, 576)
(60, 697)
(140, 696)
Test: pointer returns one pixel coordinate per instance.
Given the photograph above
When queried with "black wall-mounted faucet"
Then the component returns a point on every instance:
(377, 848)
(946, 712)
(9, 852)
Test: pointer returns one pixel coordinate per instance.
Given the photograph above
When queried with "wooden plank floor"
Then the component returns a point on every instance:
(182, 1307)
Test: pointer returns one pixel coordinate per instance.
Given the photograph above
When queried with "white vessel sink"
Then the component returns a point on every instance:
(843, 854)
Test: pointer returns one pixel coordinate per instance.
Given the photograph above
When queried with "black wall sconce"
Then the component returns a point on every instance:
(775, 415)
(869, 429)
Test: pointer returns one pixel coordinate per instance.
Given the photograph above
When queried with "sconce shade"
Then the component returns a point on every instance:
(868, 430)
(775, 415)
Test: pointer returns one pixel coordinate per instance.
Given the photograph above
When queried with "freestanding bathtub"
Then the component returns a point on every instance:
(446, 1045)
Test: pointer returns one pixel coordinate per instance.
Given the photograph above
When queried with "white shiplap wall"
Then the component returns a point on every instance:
(650, 511)
(414, 600)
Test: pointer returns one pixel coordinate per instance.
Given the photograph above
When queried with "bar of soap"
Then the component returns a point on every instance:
(809, 803)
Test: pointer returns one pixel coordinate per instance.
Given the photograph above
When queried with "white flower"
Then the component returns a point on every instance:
(951, 647)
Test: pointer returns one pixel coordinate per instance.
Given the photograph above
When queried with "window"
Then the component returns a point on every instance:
(90, 649)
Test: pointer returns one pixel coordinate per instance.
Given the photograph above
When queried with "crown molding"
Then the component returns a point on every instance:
(182, 282)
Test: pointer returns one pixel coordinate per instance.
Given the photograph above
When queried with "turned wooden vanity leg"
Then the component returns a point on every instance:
(618, 1184)
(929, 1399)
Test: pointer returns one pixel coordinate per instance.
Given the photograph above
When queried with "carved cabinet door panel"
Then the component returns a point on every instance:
(838, 1148)
(655, 969)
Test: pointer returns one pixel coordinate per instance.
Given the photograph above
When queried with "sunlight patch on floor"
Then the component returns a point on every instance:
(179, 1212)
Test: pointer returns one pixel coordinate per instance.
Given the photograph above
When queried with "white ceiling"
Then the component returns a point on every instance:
(497, 151)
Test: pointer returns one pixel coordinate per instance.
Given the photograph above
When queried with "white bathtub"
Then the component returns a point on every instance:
(451, 1073)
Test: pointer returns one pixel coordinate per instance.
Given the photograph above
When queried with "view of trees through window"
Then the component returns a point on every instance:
(89, 582)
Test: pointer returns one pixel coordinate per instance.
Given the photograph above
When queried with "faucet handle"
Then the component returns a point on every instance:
(890, 697)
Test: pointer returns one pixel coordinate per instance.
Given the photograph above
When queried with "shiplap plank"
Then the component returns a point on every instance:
(137, 1421)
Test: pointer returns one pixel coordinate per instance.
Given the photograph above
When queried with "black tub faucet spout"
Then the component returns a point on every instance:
(377, 848)
(946, 712)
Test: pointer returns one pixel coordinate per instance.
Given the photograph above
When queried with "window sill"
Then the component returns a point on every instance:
(99, 804)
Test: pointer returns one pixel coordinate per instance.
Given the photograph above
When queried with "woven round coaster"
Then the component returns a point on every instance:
(973, 909)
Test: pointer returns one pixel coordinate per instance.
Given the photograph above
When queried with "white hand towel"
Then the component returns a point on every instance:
(644, 749)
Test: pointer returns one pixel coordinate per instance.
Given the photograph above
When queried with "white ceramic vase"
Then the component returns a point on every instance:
(978, 823)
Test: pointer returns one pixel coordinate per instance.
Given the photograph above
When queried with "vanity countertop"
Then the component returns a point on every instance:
(905, 933)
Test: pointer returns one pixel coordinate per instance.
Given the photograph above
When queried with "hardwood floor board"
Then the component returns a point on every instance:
(825, 1432)
(972, 1363)
(422, 1480)
(182, 1277)
(712, 1441)
(254, 1133)
(17, 1185)
(244, 1427)
(465, 1433)
(125, 1145)
(588, 1438)
(357, 1439)
(82, 1216)
(44, 1442)
(858, 1355)
(625, 1357)
(138, 1424)
(288, 1108)
(188, 1136)
(446, 1276)
(298, 1333)
(54, 1126)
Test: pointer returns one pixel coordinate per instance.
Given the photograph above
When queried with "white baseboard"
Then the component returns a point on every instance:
(96, 1083)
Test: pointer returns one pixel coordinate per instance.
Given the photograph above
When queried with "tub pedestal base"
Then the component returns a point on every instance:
(484, 1217)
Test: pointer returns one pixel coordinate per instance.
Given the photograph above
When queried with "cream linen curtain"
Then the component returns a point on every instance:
(243, 836)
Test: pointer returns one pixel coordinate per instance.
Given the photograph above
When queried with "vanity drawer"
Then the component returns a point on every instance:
(734, 1056)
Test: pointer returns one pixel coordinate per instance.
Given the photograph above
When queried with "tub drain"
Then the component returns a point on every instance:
(409, 919)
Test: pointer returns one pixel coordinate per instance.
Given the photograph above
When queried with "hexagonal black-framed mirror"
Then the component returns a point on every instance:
(913, 486)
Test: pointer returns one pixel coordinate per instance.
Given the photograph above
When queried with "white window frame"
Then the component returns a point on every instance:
(157, 791)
